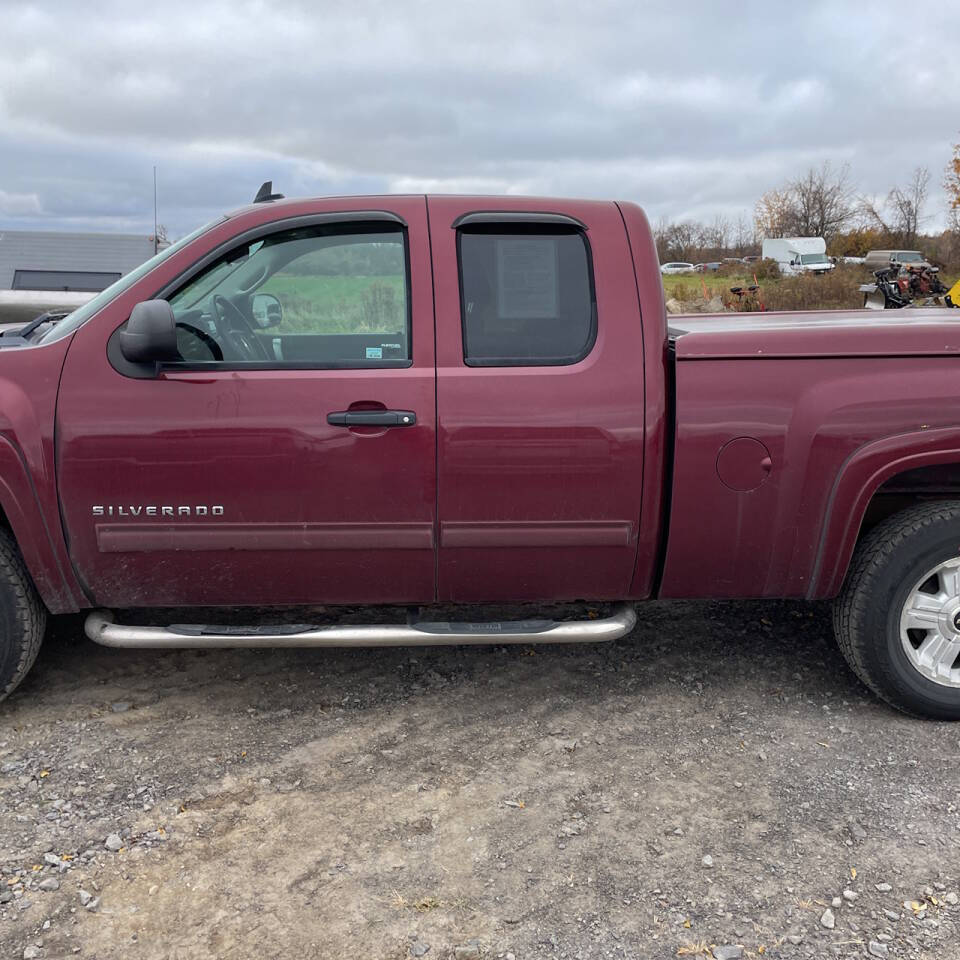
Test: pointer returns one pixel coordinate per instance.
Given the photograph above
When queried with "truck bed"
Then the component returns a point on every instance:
(841, 385)
(831, 333)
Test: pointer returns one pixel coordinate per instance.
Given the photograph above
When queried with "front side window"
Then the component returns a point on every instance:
(324, 296)
(526, 295)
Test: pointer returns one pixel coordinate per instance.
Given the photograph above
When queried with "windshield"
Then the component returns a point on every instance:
(906, 257)
(813, 258)
(80, 316)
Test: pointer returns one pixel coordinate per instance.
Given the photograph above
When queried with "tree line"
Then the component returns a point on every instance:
(824, 202)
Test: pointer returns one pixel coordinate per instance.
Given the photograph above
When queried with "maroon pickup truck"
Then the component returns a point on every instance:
(412, 401)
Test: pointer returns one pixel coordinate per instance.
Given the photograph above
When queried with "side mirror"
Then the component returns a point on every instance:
(267, 311)
(151, 334)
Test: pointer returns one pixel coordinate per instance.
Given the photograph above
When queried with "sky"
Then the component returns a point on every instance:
(692, 110)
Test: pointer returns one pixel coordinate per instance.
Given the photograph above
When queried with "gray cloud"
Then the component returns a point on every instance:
(690, 113)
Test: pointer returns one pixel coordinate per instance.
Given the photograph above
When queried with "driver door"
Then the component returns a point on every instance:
(265, 468)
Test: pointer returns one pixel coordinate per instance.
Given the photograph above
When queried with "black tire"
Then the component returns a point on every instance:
(886, 567)
(23, 618)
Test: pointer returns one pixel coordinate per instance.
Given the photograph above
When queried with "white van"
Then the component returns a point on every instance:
(798, 254)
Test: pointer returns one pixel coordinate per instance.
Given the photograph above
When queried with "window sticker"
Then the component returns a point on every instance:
(528, 277)
(374, 353)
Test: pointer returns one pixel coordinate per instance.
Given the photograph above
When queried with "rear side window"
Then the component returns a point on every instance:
(527, 295)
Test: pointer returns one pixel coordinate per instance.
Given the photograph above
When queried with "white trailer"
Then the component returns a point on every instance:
(798, 254)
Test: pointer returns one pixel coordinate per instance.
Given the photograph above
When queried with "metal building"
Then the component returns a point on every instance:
(87, 262)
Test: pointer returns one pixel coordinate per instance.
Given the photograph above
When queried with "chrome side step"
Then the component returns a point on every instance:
(101, 628)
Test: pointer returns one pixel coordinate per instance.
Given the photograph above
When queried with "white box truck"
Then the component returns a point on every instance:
(797, 255)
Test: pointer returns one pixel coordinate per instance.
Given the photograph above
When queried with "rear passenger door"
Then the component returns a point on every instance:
(540, 400)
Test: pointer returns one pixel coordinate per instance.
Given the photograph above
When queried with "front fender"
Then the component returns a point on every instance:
(18, 498)
(860, 476)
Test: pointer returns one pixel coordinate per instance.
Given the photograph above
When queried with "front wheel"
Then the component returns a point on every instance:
(897, 619)
(23, 618)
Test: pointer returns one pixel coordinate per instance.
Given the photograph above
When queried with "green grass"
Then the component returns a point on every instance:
(689, 286)
(339, 304)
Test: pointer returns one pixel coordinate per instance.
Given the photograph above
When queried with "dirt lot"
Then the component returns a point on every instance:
(717, 778)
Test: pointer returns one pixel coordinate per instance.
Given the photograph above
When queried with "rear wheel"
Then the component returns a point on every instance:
(897, 619)
(23, 618)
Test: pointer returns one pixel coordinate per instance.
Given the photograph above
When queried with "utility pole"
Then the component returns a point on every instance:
(156, 239)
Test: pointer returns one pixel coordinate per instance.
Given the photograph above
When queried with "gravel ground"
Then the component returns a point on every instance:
(716, 785)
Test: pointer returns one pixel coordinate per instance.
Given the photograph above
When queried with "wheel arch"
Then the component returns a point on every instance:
(872, 471)
(22, 515)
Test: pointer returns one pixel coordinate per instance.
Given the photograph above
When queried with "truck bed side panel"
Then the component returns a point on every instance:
(808, 418)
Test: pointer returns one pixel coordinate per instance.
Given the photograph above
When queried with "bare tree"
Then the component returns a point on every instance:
(908, 205)
(773, 214)
(716, 236)
(691, 240)
(900, 215)
(819, 204)
(678, 241)
(744, 236)
(661, 239)
(823, 201)
(951, 183)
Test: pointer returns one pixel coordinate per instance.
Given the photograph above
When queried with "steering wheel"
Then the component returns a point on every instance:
(234, 327)
(196, 345)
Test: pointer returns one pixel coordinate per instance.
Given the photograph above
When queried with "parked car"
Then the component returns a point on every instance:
(678, 267)
(797, 255)
(882, 259)
(752, 259)
(412, 401)
(711, 267)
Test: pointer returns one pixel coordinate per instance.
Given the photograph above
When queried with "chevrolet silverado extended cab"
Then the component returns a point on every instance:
(410, 401)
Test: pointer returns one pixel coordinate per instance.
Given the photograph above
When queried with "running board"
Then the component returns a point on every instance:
(101, 628)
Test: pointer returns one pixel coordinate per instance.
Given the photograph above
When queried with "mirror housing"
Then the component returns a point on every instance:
(151, 334)
(267, 311)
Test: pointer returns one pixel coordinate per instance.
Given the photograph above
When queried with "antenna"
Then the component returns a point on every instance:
(156, 239)
(265, 193)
